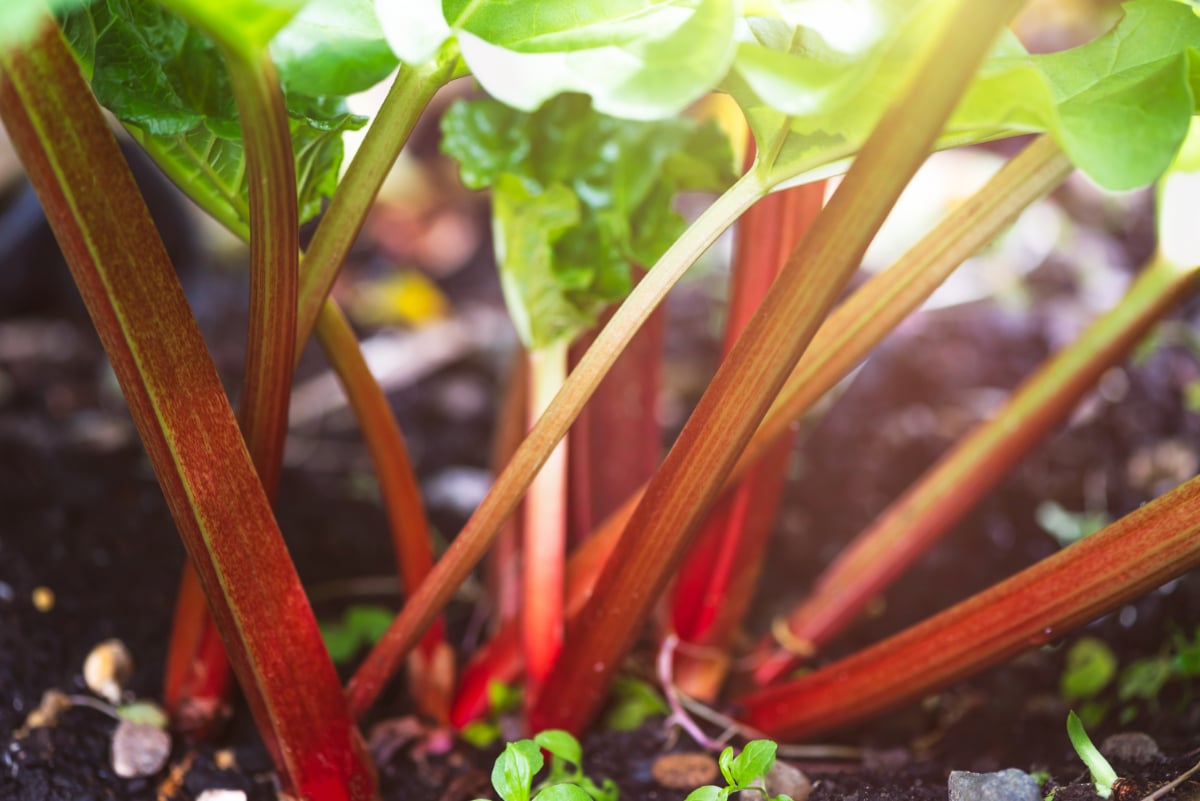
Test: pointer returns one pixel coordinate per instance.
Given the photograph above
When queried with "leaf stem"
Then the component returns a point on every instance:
(410, 93)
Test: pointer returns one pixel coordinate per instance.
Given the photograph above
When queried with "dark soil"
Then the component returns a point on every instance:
(81, 515)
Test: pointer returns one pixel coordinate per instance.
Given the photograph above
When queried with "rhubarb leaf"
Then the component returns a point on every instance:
(333, 47)
(578, 198)
(637, 59)
(245, 26)
(165, 80)
(813, 85)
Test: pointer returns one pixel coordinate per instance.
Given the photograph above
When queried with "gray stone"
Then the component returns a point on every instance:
(1004, 785)
(139, 749)
(1133, 747)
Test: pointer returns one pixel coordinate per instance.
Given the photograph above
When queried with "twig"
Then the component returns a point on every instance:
(1178, 780)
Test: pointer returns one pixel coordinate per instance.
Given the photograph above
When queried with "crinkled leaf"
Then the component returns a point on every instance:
(526, 227)
(641, 59)
(623, 176)
(755, 760)
(333, 47)
(166, 81)
(561, 744)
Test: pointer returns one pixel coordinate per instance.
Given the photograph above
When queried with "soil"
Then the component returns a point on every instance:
(83, 518)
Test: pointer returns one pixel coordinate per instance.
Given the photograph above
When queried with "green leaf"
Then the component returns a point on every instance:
(526, 226)
(480, 733)
(562, 792)
(333, 47)
(1187, 655)
(1144, 679)
(633, 702)
(145, 712)
(641, 59)
(812, 87)
(709, 792)
(617, 177)
(755, 760)
(503, 697)
(560, 744)
(166, 81)
(1103, 775)
(725, 763)
(340, 641)
(368, 621)
(245, 26)
(513, 772)
(1090, 667)
(1067, 527)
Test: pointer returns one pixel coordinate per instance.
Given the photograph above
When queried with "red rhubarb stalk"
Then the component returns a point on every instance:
(716, 580)
(1152, 545)
(686, 486)
(184, 419)
(960, 478)
(431, 664)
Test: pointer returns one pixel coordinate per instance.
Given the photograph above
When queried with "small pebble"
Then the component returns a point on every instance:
(1133, 747)
(785, 779)
(222, 795)
(684, 771)
(139, 749)
(43, 599)
(1004, 785)
(107, 669)
(225, 759)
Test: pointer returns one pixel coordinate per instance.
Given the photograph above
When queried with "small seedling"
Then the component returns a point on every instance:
(1103, 775)
(634, 701)
(361, 625)
(502, 699)
(513, 772)
(746, 771)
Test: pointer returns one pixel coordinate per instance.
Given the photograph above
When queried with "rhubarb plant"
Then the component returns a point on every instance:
(241, 104)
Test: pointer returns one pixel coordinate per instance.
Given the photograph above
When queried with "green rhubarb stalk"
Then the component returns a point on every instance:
(687, 484)
(184, 419)
(929, 508)
(410, 93)
(841, 343)
(1155, 543)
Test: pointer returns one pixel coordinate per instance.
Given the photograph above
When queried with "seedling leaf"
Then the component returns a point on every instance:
(562, 792)
(1103, 775)
(561, 744)
(725, 763)
(513, 772)
(755, 760)
(634, 702)
(709, 792)
(1090, 667)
